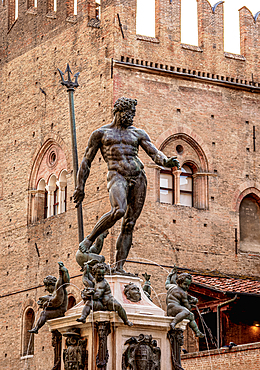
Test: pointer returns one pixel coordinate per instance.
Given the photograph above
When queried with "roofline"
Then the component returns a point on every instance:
(187, 76)
(227, 292)
(201, 273)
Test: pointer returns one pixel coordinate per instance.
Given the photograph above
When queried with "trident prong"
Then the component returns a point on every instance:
(61, 76)
(76, 79)
(69, 83)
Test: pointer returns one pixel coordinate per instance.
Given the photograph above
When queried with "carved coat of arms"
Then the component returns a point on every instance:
(142, 353)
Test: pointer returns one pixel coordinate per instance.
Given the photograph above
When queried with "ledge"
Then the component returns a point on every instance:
(235, 56)
(51, 15)
(72, 19)
(31, 11)
(26, 357)
(192, 48)
(190, 75)
(148, 39)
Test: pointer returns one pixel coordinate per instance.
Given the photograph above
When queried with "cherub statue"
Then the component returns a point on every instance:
(55, 304)
(179, 302)
(99, 297)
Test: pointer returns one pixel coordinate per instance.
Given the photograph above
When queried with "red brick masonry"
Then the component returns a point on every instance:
(243, 357)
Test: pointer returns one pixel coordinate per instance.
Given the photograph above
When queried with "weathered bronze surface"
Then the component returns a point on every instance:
(175, 337)
(55, 304)
(92, 256)
(103, 330)
(71, 86)
(142, 353)
(99, 297)
(132, 292)
(179, 302)
(119, 143)
(56, 344)
(75, 355)
(147, 286)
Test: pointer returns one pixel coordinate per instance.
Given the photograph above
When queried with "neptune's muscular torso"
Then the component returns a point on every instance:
(119, 148)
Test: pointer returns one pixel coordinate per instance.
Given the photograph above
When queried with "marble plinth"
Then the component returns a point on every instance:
(147, 319)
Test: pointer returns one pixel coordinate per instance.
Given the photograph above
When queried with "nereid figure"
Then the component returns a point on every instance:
(99, 297)
(119, 143)
(179, 302)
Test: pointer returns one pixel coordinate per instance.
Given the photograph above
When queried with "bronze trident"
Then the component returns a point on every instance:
(71, 86)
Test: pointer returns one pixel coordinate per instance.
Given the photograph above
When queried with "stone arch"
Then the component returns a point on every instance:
(72, 291)
(187, 146)
(249, 187)
(50, 160)
(41, 149)
(28, 322)
(41, 184)
(63, 175)
(249, 223)
(71, 301)
(190, 136)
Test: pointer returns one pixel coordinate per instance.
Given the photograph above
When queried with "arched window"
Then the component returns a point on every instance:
(28, 338)
(45, 204)
(62, 184)
(249, 221)
(51, 199)
(48, 183)
(71, 302)
(52, 188)
(55, 201)
(186, 186)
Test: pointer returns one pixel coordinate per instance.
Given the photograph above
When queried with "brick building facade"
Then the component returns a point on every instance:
(197, 102)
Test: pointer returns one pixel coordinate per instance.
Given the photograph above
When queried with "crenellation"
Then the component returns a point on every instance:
(249, 38)
(211, 29)
(41, 23)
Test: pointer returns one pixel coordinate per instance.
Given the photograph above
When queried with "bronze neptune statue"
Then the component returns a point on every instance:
(119, 143)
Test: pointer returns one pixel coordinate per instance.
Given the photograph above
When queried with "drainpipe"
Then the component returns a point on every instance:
(218, 317)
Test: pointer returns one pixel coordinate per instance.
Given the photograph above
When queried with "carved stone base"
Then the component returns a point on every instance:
(56, 343)
(175, 337)
(147, 318)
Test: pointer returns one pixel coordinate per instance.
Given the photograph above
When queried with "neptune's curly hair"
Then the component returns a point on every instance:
(123, 104)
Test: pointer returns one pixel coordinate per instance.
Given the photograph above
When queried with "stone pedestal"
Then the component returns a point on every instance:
(105, 329)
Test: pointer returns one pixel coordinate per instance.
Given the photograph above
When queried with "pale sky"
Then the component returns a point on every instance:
(189, 29)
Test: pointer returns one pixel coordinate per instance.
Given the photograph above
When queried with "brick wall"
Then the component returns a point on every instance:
(242, 357)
